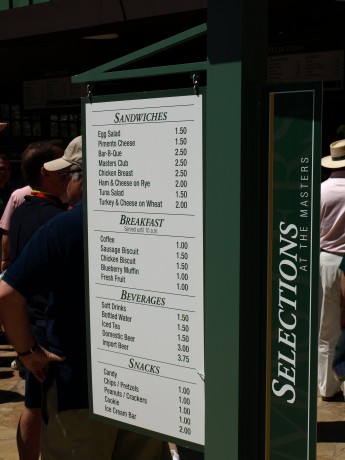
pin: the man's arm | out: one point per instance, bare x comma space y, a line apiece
15, 321
14, 317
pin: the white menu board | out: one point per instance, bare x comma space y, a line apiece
145, 259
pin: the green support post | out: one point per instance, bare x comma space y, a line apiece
234, 303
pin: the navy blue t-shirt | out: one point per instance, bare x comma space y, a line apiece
29, 217
26, 220
54, 260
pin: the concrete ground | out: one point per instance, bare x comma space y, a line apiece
330, 430
11, 403
331, 416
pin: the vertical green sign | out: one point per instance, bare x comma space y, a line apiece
293, 258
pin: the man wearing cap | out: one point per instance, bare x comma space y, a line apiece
54, 258
332, 248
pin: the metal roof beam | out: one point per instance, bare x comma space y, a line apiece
102, 72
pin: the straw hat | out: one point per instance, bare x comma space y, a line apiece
337, 157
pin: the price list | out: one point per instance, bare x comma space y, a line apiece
145, 263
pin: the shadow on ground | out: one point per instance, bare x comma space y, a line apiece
331, 432
6, 374
10, 396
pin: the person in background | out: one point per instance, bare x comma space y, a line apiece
332, 248
16, 199
6, 188
39, 206
54, 258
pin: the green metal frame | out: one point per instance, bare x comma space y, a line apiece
235, 79
102, 72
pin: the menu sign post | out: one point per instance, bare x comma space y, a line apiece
144, 170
